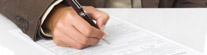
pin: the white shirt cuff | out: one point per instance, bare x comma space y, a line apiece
48, 33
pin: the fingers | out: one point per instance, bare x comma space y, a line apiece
75, 34
69, 41
79, 37
62, 40
92, 41
100, 17
70, 36
59, 42
85, 28
69, 29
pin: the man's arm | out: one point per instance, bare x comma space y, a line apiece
28, 14
25, 14
67, 27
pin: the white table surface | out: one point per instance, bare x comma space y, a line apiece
186, 26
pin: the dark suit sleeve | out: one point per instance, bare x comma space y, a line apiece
25, 14
82, 2
189, 3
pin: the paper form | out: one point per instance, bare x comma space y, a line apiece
205, 47
125, 39
5, 51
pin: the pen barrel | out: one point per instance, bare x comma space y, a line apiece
78, 8
89, 20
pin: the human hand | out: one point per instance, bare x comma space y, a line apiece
70, 30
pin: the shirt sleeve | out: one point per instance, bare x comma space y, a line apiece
45, 31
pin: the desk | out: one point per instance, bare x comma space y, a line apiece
186, 26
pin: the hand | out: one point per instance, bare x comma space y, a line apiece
70, 30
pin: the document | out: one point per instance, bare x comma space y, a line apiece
124, 38
5, 51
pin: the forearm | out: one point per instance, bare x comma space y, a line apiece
25, 14
29, 15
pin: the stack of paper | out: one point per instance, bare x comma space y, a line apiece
125, 39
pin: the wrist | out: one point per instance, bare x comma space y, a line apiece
52, 18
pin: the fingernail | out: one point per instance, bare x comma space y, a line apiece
104, 37
102, 28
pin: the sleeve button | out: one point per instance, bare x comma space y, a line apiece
23, 24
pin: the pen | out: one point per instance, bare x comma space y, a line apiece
78, 8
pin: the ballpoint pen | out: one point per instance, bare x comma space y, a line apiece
78, 8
